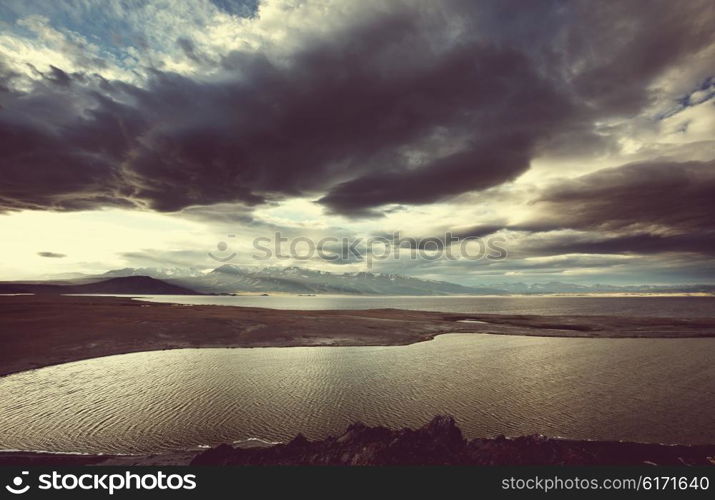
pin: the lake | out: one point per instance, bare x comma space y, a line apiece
649, 306
649, 390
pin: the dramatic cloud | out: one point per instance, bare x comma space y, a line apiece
444, 123
51, 255
396, 109
661, 197
576, 127
659, 207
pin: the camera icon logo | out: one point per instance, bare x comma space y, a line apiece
16, 487
223, 254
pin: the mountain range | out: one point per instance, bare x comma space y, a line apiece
230, 278
234, 279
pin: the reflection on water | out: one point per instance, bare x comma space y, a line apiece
653, 390
663, 307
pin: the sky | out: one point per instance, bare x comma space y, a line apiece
579, 134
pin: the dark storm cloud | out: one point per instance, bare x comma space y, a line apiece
52, 255
623, 244
641, 208
605, 52
645, 208
665, 197
391, 110
632, 42
52, 159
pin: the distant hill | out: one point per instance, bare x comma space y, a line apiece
140, 285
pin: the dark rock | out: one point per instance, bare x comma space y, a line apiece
443, 428
219, 455
299, 441
441, 442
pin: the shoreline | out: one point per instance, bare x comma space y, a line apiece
44, 330
439, 442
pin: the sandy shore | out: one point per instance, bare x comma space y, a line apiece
42, 330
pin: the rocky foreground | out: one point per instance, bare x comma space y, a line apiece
441, 443
438, 443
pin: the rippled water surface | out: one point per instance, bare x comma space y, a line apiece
663, 306
653, 390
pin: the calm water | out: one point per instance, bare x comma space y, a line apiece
652, 390
684, 307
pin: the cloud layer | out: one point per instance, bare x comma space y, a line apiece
589, 121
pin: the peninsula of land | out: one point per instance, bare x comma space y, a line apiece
48, 329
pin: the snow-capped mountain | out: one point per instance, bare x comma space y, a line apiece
234, 279
299, 280
230, 278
